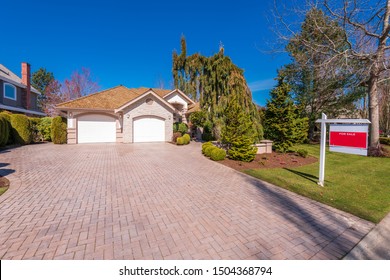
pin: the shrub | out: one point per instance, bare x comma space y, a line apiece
218, 154
175, 136
384, 140
180, 127
4, 130
208, 150
7, 118
205, 145
186, 138
303, 153
207, 136
21, 129
58, 130
44, 127
36, 134
180, 141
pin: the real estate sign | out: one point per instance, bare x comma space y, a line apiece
348, 138
345, 136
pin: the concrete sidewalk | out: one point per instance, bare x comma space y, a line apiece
375, 245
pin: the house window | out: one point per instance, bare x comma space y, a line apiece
9, 91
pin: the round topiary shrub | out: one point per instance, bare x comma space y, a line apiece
21, 129
58, 130
208, 150
218, 154
205, 145
186, 138
180, 141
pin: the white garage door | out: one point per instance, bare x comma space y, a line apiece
96, 128
149, 130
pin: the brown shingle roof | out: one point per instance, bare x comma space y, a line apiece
109, 99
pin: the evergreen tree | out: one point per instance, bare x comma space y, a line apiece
41, 80
282, 122
238, 134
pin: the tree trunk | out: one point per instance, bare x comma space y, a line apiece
374, 112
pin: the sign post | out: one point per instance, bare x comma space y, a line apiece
345, 136
322, 151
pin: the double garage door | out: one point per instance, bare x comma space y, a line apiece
96, 128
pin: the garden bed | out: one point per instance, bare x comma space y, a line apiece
274, 160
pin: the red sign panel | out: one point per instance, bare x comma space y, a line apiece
348, 139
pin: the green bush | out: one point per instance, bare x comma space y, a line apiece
303, 153
209, 150
186, 138
175, 136
4, 131
205, 145
384, 140
207, 136
21, 129
180, 141
58, 130
218, 154
7, 117
44, 127
36, 133
180, 127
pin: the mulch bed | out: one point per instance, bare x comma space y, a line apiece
274, 160
4, 183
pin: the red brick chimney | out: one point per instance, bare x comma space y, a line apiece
26, 80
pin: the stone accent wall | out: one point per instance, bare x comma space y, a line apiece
141, 108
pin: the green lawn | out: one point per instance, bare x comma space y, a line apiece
356, 184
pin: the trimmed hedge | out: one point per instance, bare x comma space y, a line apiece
384, 140
7, 118
21, 129
4, 130
58, 130
218, 154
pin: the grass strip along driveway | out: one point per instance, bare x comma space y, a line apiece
355, 184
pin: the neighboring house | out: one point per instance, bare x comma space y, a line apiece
16, 94
125, 115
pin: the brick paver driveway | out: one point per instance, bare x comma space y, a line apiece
156, 201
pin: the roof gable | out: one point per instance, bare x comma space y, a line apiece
182, 94
149, 92
10, 77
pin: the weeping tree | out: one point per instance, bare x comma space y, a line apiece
213, 81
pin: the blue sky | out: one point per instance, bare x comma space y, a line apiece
129, 43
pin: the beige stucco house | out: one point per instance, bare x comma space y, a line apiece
125, 115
